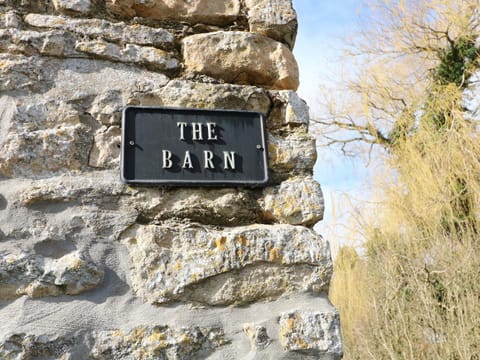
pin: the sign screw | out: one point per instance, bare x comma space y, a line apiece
131, 142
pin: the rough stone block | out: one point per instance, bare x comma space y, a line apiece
291, 155
181, 93
83, 7
36, 276
157, 342
139, 343
50, 43
241, 57
23, 346
311, 332
195, 11
52, 132
140, 55
274, 18
105, 152
296, 201
18, 73
95, 28
257, 334
44, 151
214, 206
288, 110
10, 19
199, 264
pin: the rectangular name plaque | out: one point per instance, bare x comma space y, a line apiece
192, 147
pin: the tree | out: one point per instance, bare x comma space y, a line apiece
411, 51
416, 71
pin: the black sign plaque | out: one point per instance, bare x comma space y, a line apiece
192, 147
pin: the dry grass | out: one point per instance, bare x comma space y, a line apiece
416, 292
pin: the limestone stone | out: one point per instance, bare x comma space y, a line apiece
18, 73
52, 132
257, 335
241, 57
224, 206
37, 276
57, 215
311, 332
118, 32
296, 201
274, 18
44, 151
10, 19
195, 11
182, 93
79, 6
195, 263
21, 346
157, 342
107, 107
143, 55
291, 155
66, 188
105, 152
74, 273
51, 43
35, 144
288, 110
74, 80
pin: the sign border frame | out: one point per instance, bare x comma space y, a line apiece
199, 183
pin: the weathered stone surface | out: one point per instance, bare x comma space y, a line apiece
79, 6
220, 206
291, 155
257, 334
36, 276
288, 110
28, 152
311, 332
107, 107
68, 224
103, 189
52, 133
182, 93
194, 11
34, 143
139, 343
10, 19
296, 201
95, 28
22, 346
51, 43
92, 189
241, 57
274, 18
237, 265
18, 73
143, 55
105, 152
158, 342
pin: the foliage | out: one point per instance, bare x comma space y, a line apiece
416, 289
409, 48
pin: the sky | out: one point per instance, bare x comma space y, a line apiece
323, 26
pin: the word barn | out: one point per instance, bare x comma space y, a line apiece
198, 132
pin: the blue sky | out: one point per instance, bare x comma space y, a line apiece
322, 27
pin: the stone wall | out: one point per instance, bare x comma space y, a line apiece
93, 269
